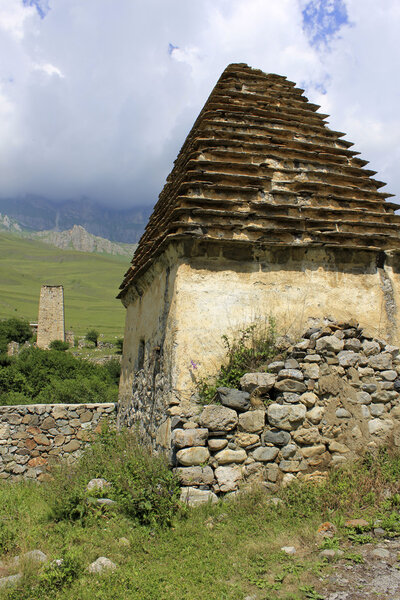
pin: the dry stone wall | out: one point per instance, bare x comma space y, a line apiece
333, 396
34, 437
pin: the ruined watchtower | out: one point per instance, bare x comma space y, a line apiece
267, 211
51, 315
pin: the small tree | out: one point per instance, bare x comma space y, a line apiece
92, 336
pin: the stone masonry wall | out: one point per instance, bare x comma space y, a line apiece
33, 437
330, 398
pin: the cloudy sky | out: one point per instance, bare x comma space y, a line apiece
97, 96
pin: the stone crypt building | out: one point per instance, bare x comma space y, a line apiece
267, 211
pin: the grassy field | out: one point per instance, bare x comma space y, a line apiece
221, 552
90, 284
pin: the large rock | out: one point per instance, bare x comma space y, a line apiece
307, 436
379, 427
195, 475
218, 418
252, 421
228, 478
194, 497
193, 456
331, 343
287, 417
101, 564
183, 438
315, 414
370, 348
290, 385
265, 454
348, 358
262, 382
235, 399
244, 439
381, 362
227, 456
291, 374
278, 438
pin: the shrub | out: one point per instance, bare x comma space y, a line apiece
120, 345
15, 330
141, 482
59, 345
248, 351
92, 336
56, 377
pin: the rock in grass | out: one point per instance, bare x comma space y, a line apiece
101, 564
194, 497
288, 550
10, 580
97, 484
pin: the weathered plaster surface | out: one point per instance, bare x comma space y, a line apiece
193, 295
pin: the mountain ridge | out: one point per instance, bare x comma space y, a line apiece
37, 213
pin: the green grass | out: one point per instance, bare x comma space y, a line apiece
90, 284
226, 551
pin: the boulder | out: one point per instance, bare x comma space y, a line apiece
194, 497
329, 343
265, 454
308, 399
235, 399
189, 437
228, 478
101, 564
381, 362
278, 438
218, 418
307, 436
370, 347
252, 420
195, 475
290, 385
315, 414
348, 358
216, 444
230, 456
193, 456
244, 439
291, 374
379, 427
262, 382
286, 417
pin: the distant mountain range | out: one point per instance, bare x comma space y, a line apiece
36, 213
76, 238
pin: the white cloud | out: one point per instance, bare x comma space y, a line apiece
98, 106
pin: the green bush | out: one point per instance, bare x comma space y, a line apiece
92, 336
141, 483
59, 345
249, 351
15, 330
58, 575
50, 376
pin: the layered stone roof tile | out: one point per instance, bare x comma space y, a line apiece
260, 165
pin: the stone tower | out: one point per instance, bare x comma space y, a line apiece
51, 315
267, 211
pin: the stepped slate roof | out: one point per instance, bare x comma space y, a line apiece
260, 165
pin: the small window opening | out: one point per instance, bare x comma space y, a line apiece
141, 355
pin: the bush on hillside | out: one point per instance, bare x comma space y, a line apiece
50, 376
92, 336
141, 483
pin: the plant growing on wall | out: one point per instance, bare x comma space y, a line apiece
249, 350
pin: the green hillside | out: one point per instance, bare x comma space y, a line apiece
90, 284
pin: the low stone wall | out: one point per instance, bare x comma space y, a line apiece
331, 397
35, 436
